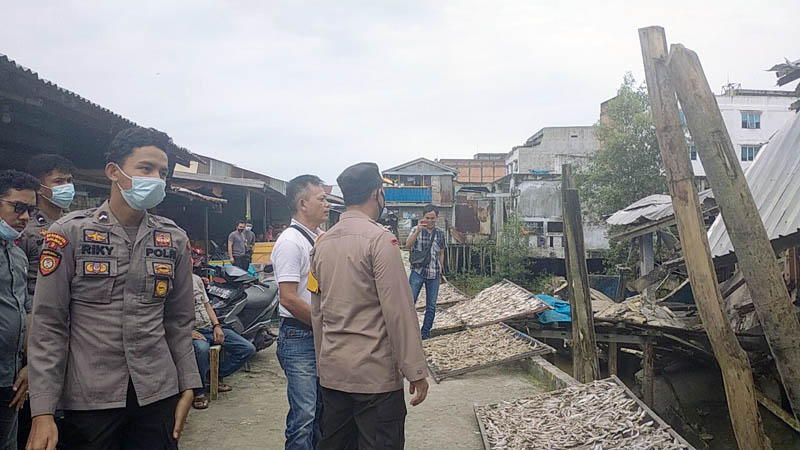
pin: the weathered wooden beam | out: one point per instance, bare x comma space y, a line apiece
586, 366
776, 409
736, 373
613, 354
648, 367
632, 339
749, 237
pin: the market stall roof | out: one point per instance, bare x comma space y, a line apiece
196, 195
773, 182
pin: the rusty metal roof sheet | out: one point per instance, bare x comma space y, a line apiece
773, 180
649, 209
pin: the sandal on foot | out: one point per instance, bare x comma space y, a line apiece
200, 401
224, 388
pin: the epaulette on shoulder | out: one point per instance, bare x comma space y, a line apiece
164, 221
80, 214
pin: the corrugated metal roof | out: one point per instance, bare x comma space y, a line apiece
773, 180
649, 209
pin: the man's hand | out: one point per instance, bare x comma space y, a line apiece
44, 433
420, 387
182, 412
21, 389
219, 335
197, 336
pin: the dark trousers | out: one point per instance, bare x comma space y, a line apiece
8, 420
133, 427
242, 262
24, 425
362, 421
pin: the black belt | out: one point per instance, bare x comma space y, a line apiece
295, 323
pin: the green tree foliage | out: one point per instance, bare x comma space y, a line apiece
512, 250
628, 166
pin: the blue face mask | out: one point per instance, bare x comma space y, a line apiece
7, 233
62, 195
145, 192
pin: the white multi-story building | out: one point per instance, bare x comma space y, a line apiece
752, 117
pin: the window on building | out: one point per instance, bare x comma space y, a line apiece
751, 119
536, 228
693, 152
555, 227
749, 152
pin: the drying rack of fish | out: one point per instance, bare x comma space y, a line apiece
478, 348
603, 414
443, 322
497, 303
448, 295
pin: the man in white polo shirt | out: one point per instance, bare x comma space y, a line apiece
292, 261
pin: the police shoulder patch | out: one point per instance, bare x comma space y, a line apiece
55, 241
394, 241
49, 261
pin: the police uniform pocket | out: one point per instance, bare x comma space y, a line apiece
94, 280
159, 280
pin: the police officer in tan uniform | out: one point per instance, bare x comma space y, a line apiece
111, 338
55, 194
366, 332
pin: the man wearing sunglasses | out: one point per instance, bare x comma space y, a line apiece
17, 204
111, 334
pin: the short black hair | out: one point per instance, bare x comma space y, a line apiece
240, 221
14, 179
248, 221
42, 165
131, 138
296, 187
430, 207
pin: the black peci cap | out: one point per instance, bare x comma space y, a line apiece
359, 179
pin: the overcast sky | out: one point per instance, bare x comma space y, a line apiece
285, 88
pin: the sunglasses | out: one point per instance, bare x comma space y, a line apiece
21, 207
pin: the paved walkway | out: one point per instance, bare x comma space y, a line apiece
252, 416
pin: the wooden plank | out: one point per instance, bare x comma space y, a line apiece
585, 363
613, 354
213, 376
648, 379
735, 367
776, 409
484, 434
646, 256
750, 241
600, 336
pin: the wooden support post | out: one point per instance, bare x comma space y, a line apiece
733, 362
205, 232
586, 366
736, 205
613, 353
213, 376
648, 366
776, 409
623, 273
247, 203
646, 254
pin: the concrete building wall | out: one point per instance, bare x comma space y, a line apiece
773, 107
551, 147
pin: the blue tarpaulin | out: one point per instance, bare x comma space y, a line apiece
559, 313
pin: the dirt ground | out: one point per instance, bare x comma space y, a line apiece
252, 416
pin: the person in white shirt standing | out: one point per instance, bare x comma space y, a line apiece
291, 259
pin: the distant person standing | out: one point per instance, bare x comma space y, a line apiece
291, 258
17, 205
426, 243
237, 246
366, 333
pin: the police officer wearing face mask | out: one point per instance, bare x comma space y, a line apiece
111, 339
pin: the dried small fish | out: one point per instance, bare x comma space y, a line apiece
448, 295
598, 415
442, 321
502, 301
478, 347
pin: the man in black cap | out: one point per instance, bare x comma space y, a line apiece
366, 332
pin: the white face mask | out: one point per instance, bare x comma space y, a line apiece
145, 192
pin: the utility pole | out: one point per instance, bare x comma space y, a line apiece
750, 241
585, 364
736, 373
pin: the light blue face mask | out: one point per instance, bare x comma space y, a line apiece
7, 233
62, 195
145, 192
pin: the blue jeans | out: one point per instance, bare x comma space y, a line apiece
238, 351
298, 361
431, 293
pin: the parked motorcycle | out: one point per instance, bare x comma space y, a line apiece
241, 302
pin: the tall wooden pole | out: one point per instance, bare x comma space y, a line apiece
736, 205
586, 366
736, 373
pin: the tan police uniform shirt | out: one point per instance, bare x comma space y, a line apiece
31, 242
366, 332
107, 310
